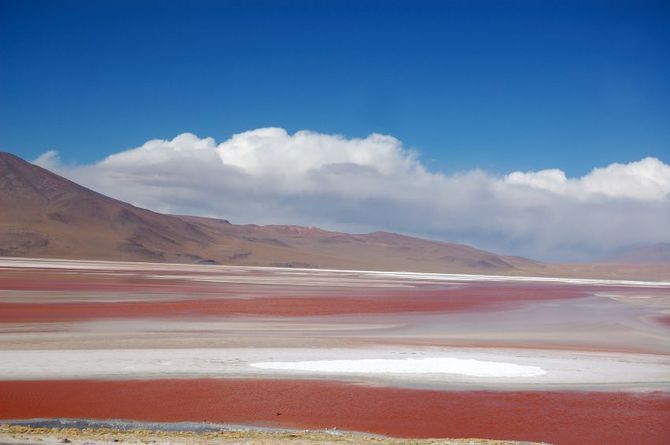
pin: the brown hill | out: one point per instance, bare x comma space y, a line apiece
45, 215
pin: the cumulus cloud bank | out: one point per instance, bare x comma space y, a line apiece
375, 183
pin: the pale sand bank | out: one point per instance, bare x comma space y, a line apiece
23, 435
332, 277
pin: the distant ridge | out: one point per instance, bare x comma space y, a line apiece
46, 215
653, 254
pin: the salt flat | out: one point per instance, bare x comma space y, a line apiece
442, 368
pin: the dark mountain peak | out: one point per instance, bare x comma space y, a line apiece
72, 221
8, 157
4, 155
19, 179
11, 165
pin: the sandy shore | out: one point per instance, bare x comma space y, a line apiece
22, 435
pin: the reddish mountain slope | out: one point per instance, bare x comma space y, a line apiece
45, 215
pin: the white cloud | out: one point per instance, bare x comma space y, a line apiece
360, 184
48, 160
647, 179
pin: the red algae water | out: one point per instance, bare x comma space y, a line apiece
222, 315
548, 416
478, 299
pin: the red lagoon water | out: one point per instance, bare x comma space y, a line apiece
345, 302
555, 417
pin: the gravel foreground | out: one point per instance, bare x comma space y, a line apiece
19, 434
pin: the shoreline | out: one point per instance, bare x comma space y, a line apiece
106, 433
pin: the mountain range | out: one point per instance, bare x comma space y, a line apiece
45, 215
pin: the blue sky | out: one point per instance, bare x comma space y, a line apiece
500, 85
